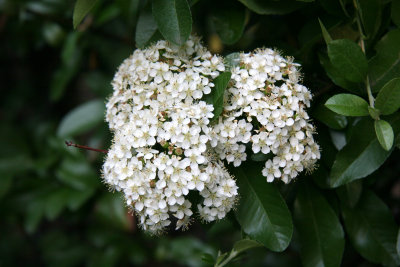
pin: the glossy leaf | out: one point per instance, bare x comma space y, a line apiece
82, 8
271, 7
82, 118
350, 193
320, 232
229, 22
146, 28
217, 94
337, 78
174, 19
348, 59
372, 229
385, 65
348, 105
384, 133
388, 99
262, 212
329, 118
361, 156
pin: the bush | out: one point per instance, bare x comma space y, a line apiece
58, 60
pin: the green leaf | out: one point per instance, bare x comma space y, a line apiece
173, 19
82, 118
361, 156
55, 203
320, 232
271, 7
78, 174
350, 193
385, 65
388, 99
347, 57
245, 244
396, 12
232, 60
5, 184
262, 212
385, 134
229, 22
82, 8
325, 33
146, 28
70, 64
329, 118
348, 105
337, 78
370, 13
216, 97
372, 229
374, 113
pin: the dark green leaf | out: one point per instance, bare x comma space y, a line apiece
112, 211
262, 212
271, 7
5, 184
146, 28
216, 97
70, 60
55, 203
350, 193
173, 19
82, 8
82, 118
78, 174
361, 156
329, 118
384, 133
337, 77
348, 105
385, 65
370, 13
348, 59
325, 33
396, 12
388, 99
372, 229
320, 232
229, 22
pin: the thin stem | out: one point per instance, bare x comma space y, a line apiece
227, 260
70, 143
362, 44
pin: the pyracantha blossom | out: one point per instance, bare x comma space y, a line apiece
265, 110
162, 130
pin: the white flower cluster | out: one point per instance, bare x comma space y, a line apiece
265, 108
161, 135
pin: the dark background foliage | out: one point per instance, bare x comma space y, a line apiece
54, 79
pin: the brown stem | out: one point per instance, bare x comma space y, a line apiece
70, 143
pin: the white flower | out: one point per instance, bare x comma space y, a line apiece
265, 106
162, 130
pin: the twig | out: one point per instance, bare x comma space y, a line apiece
70, 143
